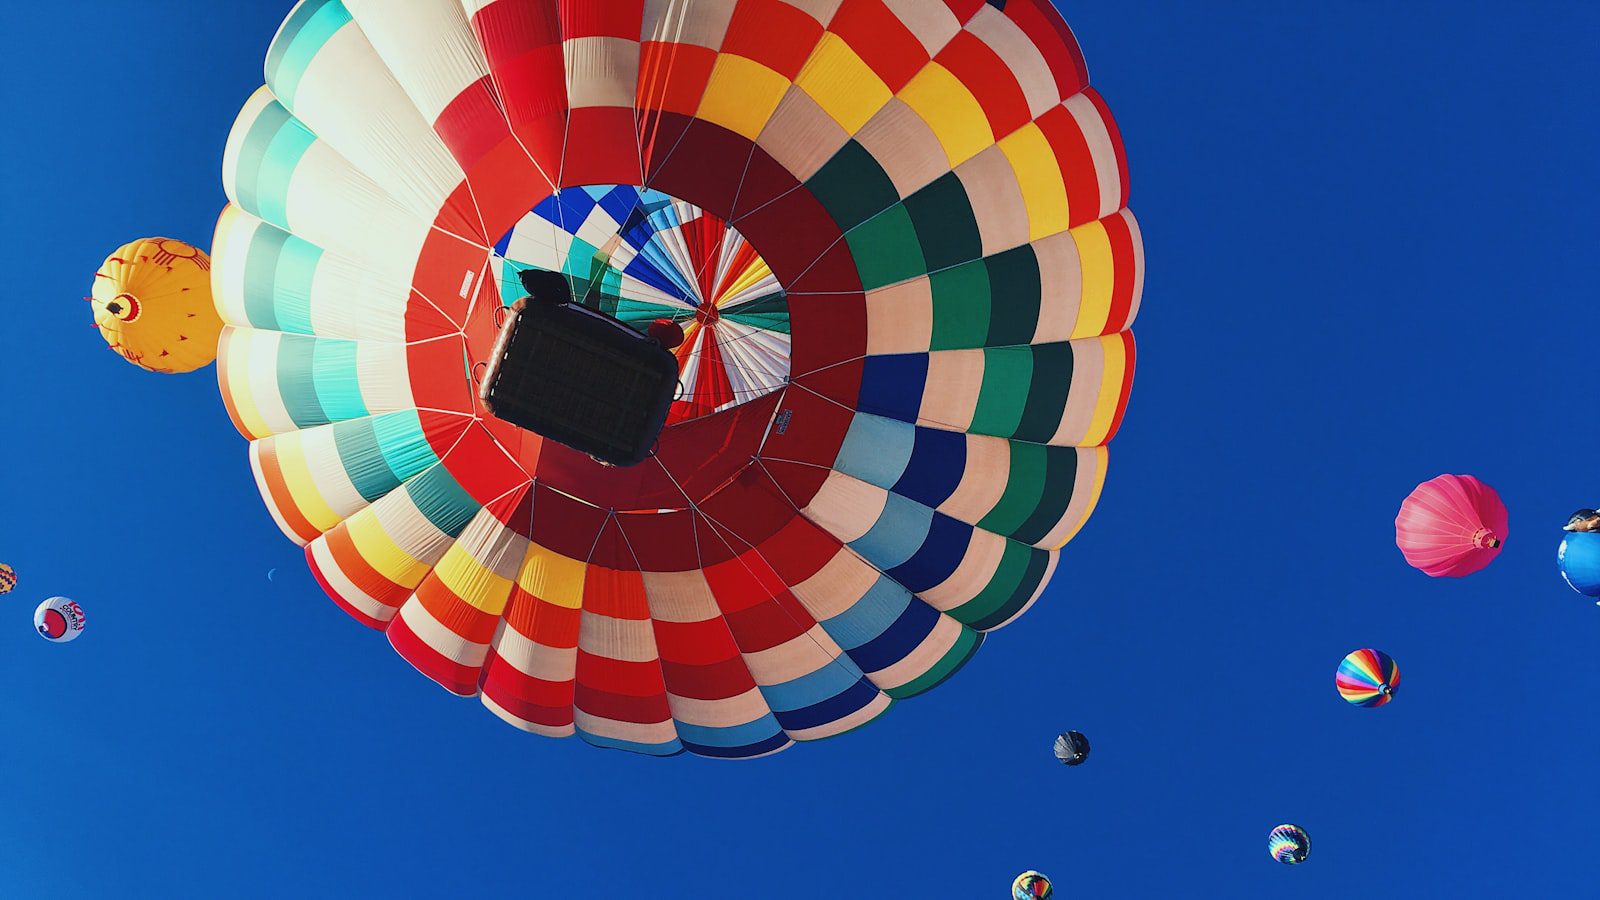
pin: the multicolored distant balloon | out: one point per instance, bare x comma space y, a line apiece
1367, 677
895, 237
8, 579
59, 620
1072, 748
1579, 559
152, 304
1451, 526
1289, 844
1031, 886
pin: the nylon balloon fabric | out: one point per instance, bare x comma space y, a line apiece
1367, 677
895, 235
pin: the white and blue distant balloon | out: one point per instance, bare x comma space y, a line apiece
59, 620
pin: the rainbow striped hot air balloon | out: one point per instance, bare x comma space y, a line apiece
1032, 885
895, 236
1289, 844
1367, 677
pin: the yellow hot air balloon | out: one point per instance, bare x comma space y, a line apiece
152, 304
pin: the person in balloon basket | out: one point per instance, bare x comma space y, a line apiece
1585, 520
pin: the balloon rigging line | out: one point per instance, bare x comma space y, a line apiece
846, 548
719, 527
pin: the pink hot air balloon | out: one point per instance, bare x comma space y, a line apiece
1451, 526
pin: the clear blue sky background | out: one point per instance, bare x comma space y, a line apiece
1370, 233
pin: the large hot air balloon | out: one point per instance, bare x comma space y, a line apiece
1451, 526
8, 579
1031, 886
152, 304
895, 235
59, 620
1367, 677
1289, 844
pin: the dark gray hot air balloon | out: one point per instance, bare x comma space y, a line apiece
1072, 748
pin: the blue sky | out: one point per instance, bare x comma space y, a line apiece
1369, 238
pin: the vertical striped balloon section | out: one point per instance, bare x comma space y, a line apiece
895, 233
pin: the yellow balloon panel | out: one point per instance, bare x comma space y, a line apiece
152, 304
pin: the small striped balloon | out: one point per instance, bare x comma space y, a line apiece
8, 578
1031, 885
1367, 677
1289, 844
